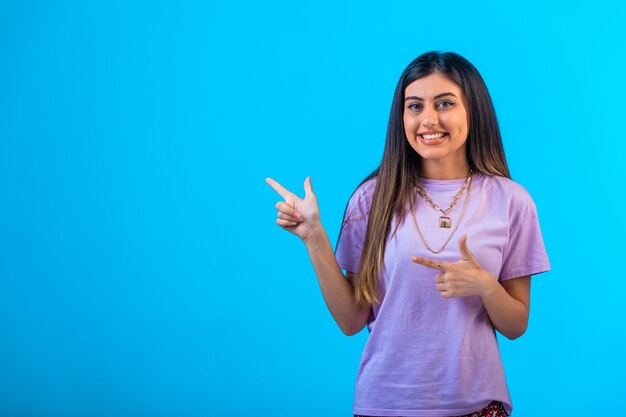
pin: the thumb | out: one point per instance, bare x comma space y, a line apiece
308, 188
466, 254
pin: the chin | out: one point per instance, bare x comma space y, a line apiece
431, 154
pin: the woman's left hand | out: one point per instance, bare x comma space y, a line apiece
462, 278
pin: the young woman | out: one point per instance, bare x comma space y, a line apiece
438, 245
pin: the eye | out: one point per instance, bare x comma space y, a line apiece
414, 106
444, 104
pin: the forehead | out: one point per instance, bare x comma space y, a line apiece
432, 85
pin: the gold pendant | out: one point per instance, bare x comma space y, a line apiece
445, 222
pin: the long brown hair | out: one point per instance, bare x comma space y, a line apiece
400, 165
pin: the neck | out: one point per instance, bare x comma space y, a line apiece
440, 170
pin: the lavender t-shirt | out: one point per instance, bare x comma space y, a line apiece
427, 355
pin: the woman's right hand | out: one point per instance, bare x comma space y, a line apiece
297, 215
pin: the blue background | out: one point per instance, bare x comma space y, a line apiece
141, 272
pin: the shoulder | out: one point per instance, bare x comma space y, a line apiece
365, 190
505, 189
361, 200
511, 199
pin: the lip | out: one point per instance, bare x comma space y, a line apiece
435, 141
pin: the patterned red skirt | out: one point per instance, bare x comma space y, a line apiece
494, 409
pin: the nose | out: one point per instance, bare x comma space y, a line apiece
430, 117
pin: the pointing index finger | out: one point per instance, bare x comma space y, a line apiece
284, 193
430, 263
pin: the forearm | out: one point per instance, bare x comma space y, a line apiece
508, 314
336, 289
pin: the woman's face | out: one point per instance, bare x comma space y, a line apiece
436, 121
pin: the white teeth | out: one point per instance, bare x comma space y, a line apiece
437, 136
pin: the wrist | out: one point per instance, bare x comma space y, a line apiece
490, 284
317, 235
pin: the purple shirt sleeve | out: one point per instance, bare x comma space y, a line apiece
353, 228
525, 252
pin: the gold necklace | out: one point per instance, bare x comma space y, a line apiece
467, 197
445, 221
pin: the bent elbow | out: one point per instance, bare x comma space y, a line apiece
517, 333
351, 330
513, 336
347, 332
352, 324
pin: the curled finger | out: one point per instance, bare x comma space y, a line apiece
285, 223
288, 209
287, 217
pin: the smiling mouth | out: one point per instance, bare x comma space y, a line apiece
432, 139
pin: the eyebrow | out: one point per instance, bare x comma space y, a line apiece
436, 97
